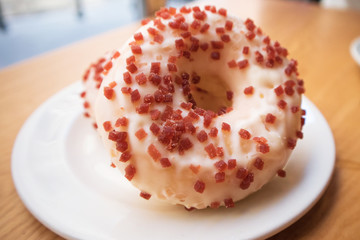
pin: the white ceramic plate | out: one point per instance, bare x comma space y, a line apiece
64, 178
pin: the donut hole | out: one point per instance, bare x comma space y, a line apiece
211, 93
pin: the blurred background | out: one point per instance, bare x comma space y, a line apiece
32, 27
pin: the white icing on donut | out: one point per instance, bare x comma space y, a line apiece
184, 182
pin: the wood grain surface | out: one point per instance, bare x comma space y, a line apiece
318, 38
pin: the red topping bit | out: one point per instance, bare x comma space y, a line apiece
185, 144
299, 134
108, 66
194, 169
130, 59
250, 24
138, 36
107, 126
186, 106
241, 173
82, 94
300, 90
131, 68
215, 55
245, 50
113, 165
291, 143
204, 28
185, 10
125, 156
86, 114
263, 148
215, 205
249, 90
185, 34
259, 163
108, 92
243, 64
112, 84
196, 9
295, 109
195, 24
184, 26
291, 68
232, 64
204, 46
116, 55
219, 177
135, 95
153, 152
289, 91
220, 151
279, 90
117, 136
95, 125
159, 24
246, 182
145, 195
148, 98
244, 134
231, 164
172, 10
152, 31
270, 118
282, 104
228, 25
121, 122
136, 49
193, 115
225, 127
140, 134
158, 38
266, 40
155, 79
200, 111
222, 12
140, 78
174, 25
220, 30
229, 203
250, 35
199, 15
259, 57
155, 114
302, 122
145, 21
199, 186
143, 108
217, 44
225, 38
126, 90
213, 132
221, 165
172, 67
179, 43
211, 150
130, 171
127, 78
186, 54
167, 113
202, 136
165, 162
190, 127
281, 173
86, 104
155, 67
155, 129
121, 146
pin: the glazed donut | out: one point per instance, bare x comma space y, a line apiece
200, 108
91, 82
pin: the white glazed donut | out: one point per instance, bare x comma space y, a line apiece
200, 109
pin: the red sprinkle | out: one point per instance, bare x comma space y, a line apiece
204, 28
215, 205
221, 165
165, 162
127, 78
125, 156
138, 36
213, 132
225, 127
108, 92
229, 203
279, 90
195, 24
140, 78
158, 38
249, 90
215, 55
270, 118
107, 126
130, 171
241, 173
282, 104
135, 95
155, 129
155, 114
250, 35
172, 67
231, 164
155, 67
136, 49
179, 43
232, 64
152, 31
281, 173
108, 66
219, 177
140, 134
211, 150
199, 15
143, 108
244, 134
295, 109
204, 46
243, 64
228, 25
217, 44
259, 163
121, 122
222, 12
131, 68
202, 136
245, 50
153, 152
220, 30
130, 59
145, 21
225, 38
291, 143
117, 136
299, 134
199, 186
145, 195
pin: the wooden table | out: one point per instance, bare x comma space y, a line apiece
318, 38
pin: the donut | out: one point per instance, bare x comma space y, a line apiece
91, 82
200, 108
